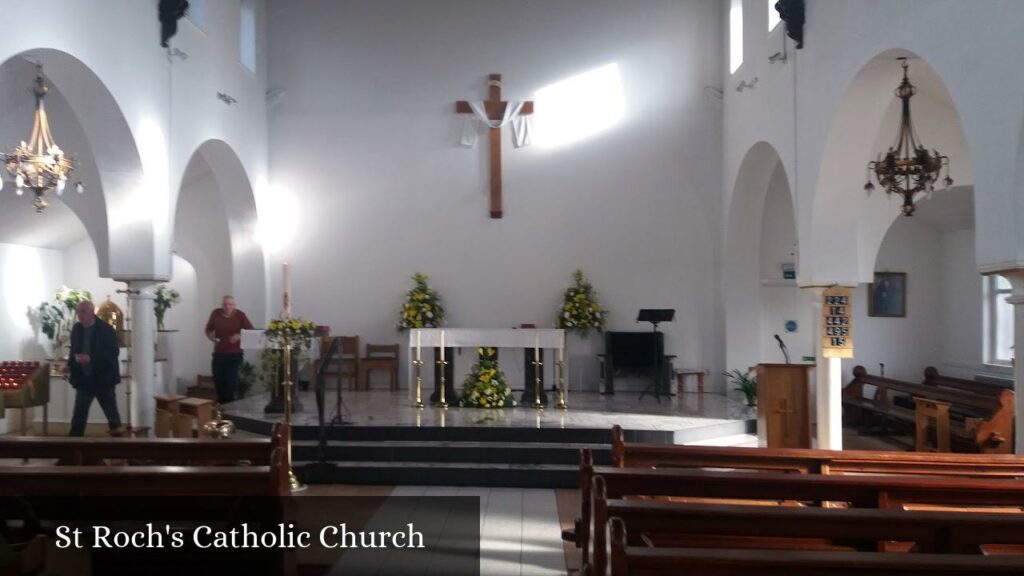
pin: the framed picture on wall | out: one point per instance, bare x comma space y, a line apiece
887, 295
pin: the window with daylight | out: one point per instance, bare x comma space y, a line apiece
773, 16
247, 35
196, 13
735, 35
998, 321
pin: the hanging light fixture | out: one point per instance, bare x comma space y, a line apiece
908, 168
39, 164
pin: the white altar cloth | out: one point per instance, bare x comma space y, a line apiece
523, 338
491, 337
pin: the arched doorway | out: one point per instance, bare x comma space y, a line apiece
215, 252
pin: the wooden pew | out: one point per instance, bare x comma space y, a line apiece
856, 491
737, 526
269, 480
810, 461
629, 560
982, 414
184, 451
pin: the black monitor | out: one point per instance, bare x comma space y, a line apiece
655, 315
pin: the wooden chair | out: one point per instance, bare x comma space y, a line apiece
380, 357
348, 365
203, 388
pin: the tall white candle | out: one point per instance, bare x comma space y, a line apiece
418, 334
442, 345
536, 345
561, 349
287, 273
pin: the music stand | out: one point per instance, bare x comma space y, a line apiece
655, 316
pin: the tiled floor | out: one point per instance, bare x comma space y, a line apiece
586, 410
519, 528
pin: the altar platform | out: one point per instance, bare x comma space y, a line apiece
383, 439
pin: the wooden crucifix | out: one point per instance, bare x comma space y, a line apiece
495, 108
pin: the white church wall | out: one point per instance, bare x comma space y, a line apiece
962, 308
28, 277
369, 154
793, 105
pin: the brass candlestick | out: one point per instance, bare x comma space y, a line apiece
561, 386
537, 404
442, 402
293, 481
419, 381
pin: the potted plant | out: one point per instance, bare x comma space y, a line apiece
422, 307
745, 383
165, 299
485, 386
56, 320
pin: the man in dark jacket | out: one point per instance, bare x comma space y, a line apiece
94, 368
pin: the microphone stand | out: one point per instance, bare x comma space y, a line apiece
782, 346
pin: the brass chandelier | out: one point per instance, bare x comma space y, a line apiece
908, 168
39, 164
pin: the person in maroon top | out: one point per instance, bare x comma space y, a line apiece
224, 329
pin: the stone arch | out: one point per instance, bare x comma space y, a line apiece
742, 276
116, 180
848, 225
246, 277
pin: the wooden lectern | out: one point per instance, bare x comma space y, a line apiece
783, 410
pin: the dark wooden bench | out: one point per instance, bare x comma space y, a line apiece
629, 560
981, 414
810, 461
183, 451
689, 525
775, 488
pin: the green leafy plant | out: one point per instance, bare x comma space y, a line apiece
486, 386
56, 320
745, 383
246, 378
422, 307
270, 370
579, 310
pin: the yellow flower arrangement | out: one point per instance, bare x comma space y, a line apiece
422, 307
299, 331
580, 310
485, 386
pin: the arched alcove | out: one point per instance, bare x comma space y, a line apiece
848, 225
215, 249
747, 277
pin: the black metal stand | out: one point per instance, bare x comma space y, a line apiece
655, 317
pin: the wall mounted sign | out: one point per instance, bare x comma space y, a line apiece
837, 322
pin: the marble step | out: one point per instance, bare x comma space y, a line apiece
439, 474
563, 453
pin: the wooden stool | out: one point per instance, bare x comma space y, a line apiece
926, 411
167, 409
191, 411
681, 375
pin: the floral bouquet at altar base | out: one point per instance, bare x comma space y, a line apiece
165, 299
422, 307
580, 310
485, 386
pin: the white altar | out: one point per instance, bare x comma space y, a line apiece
538, 338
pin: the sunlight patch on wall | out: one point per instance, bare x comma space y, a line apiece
579, 107
277, 216
23, 282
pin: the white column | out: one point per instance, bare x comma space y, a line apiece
828, 384
143, 353
1016, 278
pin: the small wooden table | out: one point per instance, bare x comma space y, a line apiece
681, 375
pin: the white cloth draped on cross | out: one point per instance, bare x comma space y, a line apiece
520, 124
